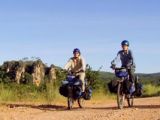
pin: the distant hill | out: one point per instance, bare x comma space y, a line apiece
156, 74
153, 78
150, 74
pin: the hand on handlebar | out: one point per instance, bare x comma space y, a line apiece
113, 67
128, 66
80, 71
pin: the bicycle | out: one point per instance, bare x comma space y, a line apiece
123, 90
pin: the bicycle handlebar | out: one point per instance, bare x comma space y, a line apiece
120, 68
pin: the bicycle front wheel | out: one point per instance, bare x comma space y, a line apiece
81, 102
130, 101
120, 97
70, 103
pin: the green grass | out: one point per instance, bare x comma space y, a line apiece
49, 93
102, 95
151, 90
29, 93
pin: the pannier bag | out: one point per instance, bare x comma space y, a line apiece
88, 93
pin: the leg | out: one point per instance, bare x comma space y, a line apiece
131, 75
82, 78
132, 80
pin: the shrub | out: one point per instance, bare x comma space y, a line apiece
151, 90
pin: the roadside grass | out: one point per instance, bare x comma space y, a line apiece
102, 95
49, 94
151, 90
45, 94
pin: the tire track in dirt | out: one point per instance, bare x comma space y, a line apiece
144, 109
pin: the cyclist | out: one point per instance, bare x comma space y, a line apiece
77, 66
127, 60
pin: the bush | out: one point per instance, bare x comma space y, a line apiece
27, 79
151, 90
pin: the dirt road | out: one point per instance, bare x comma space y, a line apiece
144, 109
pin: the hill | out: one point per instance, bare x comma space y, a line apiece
153, 78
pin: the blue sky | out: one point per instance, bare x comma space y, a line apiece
50, 29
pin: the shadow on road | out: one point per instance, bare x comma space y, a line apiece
135, 106
103, 108
64, 108
147, 106
40, 107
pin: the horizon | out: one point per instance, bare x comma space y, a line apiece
37, 58
50, 30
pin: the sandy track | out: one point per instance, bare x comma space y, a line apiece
144, 109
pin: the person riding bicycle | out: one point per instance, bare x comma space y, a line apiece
127, 60
77, 66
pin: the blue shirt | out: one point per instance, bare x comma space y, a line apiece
126, 58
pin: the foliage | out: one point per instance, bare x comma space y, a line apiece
151, 90
48, 91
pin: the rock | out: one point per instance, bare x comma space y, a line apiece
38, 72
21, 71
52, 73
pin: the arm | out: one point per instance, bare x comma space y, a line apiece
83, 65
68, 65
131, 62
116, 60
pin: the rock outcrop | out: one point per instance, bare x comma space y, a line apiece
38, 72
16, 71
52, 73
19, 72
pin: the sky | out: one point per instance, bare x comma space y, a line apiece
51, 29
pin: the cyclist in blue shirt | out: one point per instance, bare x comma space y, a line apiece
127, 60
